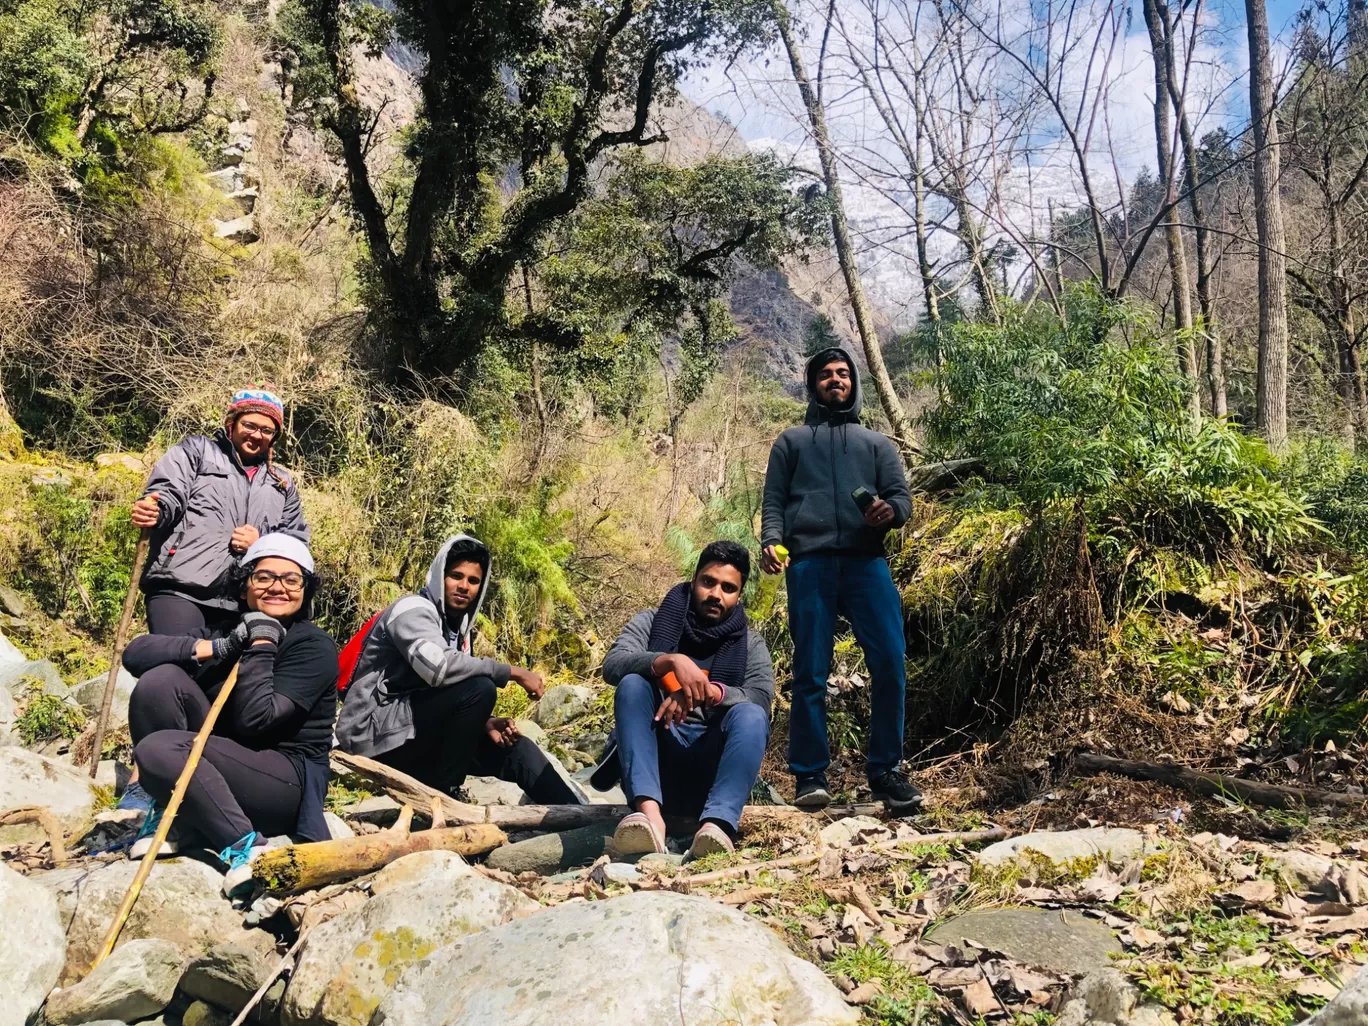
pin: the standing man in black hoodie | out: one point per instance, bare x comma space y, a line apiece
835, 565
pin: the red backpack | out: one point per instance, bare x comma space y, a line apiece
351, 654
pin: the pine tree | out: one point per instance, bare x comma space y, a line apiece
820, 333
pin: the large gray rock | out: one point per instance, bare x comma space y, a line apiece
137, 980
181, 902
27, 778
10, 654
32, 946
19, 678
1349, 1007
226, 976
648, 957
492, 791
432, 867
1064, 941
1116, 844
1304, 871
552, 853
349, 964
89, 695
561, 704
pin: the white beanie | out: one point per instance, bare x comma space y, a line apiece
286, 546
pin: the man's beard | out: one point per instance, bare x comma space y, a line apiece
709, 613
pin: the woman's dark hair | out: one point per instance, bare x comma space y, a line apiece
312, 582
728, 553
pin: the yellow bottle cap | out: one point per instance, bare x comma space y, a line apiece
781, 553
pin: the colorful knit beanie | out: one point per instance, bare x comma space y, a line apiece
257, 400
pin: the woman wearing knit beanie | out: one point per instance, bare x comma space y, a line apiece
207, 500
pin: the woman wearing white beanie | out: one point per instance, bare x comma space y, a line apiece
265, 767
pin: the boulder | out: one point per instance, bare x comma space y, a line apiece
1349, 1008
561, 704
1116, 844
492, 791
349, 964
181, 902
18, 678
553, 853
380, 809
89, 695
242, 230
137, 980
27, 778
337, 829
9, 652
32, 946
201, 1014
14, 604
1064, 942
1107, 997
647, 957
433, 867
226, 976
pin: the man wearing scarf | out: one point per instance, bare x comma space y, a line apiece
694, 688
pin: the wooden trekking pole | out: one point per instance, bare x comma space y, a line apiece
120, 640
164, 827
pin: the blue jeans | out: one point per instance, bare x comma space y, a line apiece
702, 770
861, 589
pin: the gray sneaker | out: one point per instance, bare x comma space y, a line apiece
812, 792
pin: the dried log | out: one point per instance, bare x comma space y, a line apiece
302, 866
1272, 795
43, 816
404, 788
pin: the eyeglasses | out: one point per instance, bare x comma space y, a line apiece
264, 579
254, 429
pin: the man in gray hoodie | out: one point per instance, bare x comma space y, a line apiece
420, 700
833, 489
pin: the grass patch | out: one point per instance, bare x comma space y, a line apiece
346, 790
46, 718
904, 996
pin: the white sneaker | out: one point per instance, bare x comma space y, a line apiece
138, 849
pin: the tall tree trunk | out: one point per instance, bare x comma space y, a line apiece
845, 251
1271, 407
1341, 297
1155, 21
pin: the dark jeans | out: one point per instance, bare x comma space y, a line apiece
861, 589
234, 790
171, 614
449, 743
703, 770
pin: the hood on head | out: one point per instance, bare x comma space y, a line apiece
816, 412
436, 583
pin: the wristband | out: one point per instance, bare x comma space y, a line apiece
670, 682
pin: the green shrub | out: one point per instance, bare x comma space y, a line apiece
46, 718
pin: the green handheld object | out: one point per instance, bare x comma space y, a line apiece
863, 497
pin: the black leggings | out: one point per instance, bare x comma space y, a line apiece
172, 614
235, 789
449, 743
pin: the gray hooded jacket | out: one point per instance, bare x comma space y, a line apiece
814, 468
205, 494
411, 646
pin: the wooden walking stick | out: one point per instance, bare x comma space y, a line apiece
164, 827
120, 640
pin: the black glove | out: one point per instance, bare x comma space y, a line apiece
263, 627
231, 646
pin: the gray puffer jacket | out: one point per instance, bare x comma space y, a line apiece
410, 647
814, 468
204, 494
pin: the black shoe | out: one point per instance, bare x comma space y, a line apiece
812, 792
895, 791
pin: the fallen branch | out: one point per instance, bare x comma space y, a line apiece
855, 894
411, 791
948, 837
1217, 784
303, 866
43, 816
684, 882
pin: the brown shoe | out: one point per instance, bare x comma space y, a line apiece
709, 840
635, 835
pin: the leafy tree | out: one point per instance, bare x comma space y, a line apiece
820, 333
521, 101
92, 83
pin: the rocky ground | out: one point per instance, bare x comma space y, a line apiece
1107, 902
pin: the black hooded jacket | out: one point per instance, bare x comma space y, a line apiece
814, 468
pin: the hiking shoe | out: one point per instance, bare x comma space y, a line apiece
709, 840
895, 791
146, 834
134, 797
812, 792
239, 856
